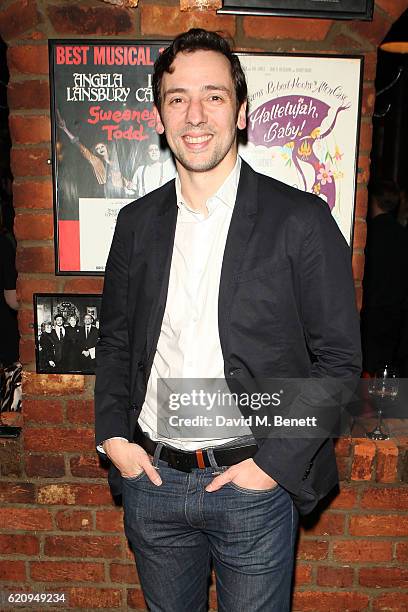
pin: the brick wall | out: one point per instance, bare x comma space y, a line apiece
59, 530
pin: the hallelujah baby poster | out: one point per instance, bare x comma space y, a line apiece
303, 120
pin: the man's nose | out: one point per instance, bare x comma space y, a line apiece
196, 113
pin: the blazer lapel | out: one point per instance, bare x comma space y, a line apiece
162, 250
242, 223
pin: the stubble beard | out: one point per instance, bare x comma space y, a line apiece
192, 162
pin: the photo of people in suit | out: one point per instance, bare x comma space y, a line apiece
66, 332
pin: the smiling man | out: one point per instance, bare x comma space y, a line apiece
220, 274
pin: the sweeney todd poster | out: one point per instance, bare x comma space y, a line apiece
106, 152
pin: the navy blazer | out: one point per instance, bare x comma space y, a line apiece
286, 310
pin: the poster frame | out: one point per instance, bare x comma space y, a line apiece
76, 299
313, 9
52, 43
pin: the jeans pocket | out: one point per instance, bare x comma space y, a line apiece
253, 491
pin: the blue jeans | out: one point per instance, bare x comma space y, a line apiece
177, 529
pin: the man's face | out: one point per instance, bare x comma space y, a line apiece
48, 328
154, 152
199, 111
72, 321
59, 321
87, 320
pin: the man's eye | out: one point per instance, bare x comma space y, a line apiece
215, 98
176, 100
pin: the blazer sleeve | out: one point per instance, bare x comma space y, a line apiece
112, 350
331, 328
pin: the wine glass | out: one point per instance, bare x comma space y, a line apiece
383, 387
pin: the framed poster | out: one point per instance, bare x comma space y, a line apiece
325, 9
66, 328
303, 125
106, 152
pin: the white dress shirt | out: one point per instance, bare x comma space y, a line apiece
189, 344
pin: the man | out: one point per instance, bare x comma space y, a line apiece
155, 173
88, 337
222, 273
385, 279
58, 339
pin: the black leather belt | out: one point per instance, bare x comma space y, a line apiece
185, 461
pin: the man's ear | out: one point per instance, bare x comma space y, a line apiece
159, 127
241, 120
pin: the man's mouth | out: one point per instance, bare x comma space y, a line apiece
197, 139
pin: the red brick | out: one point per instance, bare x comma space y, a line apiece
19, 544
343, 447
74, 520
368, 99
329, 523
358, 266
386, 498
10, 458
402, 552
110, 520
387, 461
384, 577
31, 129
17, 18
344, 468
12, 570
43, 411
93, 598
135, 599
372, 31
16, 492
27, 351
70, 494
379, 525
278, 28
28, 59
303, 574
34, 519
25, 320
359, 297
344, 42
360, 234
45, 466
80, 411
360, 551
364, 453
336, 601
26, 94
394, 8
58, 439
52, 384
168, 21
312, 550
84, 20
87, 466
339, 577
83, 546
35, 259
363, 169
26, 287
391, 602
33, 227
31, 161
370, 65
83, 285
124, 572
32, 194
361, 202
346, 498
52, 571
366, 134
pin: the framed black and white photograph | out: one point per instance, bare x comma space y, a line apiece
323, 9
66, 328
105, 149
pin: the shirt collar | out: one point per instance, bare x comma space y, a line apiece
227, 192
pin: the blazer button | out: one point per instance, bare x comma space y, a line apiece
234, 371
